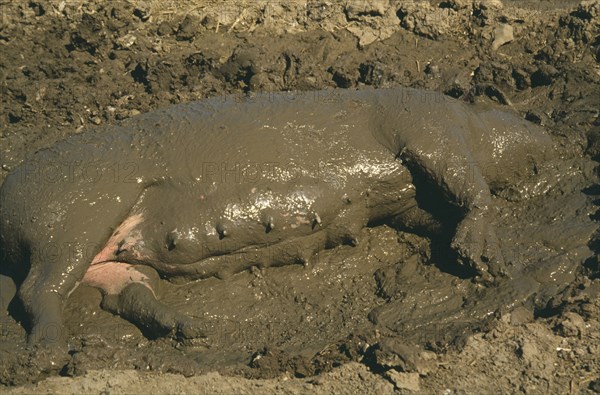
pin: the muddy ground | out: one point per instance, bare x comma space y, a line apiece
384, 317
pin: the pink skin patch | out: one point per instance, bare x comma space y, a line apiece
122, 233
110, 276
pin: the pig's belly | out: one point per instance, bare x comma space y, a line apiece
191, 230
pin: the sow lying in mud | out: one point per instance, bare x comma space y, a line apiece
214, 187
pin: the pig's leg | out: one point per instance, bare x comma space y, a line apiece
442, 156
417, 220
128, 291
43, 295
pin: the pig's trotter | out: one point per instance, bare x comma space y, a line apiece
477, 245
46, 358
137, 303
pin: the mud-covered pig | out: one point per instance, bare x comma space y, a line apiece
203, 188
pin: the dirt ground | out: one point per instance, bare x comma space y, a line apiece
383, 317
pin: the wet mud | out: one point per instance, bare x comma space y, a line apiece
396, 302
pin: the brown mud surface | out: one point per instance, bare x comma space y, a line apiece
385, 316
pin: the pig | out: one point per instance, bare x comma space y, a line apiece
204, 188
